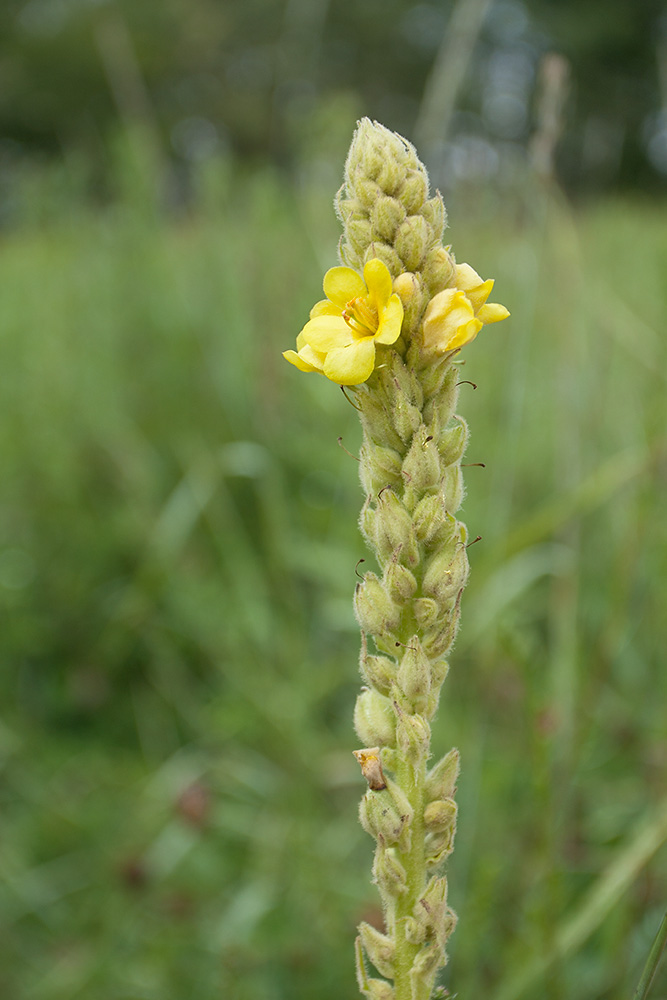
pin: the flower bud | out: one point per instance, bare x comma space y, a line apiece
399, 582
392, 175
374, 719
437, 641
441, 779
426, 611
412, 241
414, 673
406, 418
452, 486
389, 874
435, 214
427, 962
379, 989
431, 910
407, 287
378, 671
376, 612
440, 815
433, 524
359, 235
414, 190
385, 253
421, 466
394, 531
379, 467
413, 735
387, 816
386, 216
367, 191
446, 575
452, 442
380, 949
439, 846
439, 270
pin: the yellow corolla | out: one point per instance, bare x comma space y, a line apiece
358, 313
455, 316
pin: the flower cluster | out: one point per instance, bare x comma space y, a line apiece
340, 338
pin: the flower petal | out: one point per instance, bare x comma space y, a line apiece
324, 308
378, 279
469, 281
353, 364
325, 333
465, 334
342, 284
493, 312
391, 321
466, 277
298, 362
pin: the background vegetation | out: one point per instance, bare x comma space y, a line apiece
178, 537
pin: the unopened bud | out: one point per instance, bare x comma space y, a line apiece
399, 581
374, 719
414, 191
435, 214
378, 671
452, 442
439, 270
386, 216
421, 466
386, 816
379, 989
440, 815
380, 949
446, 575
426, 611
389, 874
414, 673
437, 641
394, 530
452, 486
441, 779
379, 467
432, 523
375, 611
412, 241
359, 235
407, 287
427, 962
385, 253
413, 735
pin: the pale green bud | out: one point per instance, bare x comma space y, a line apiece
439, 270
378, 989
389, 874
399, 582
367, 192
374, 719
441, 779
438, 641
433, 524
431, 911
392, 175
453, 441
379, 948
432, 378
378, 671
413, 735
412, 241
426, 611
380, 818
421, 467
359, 235
386, 216
435, 214
406, 418
439, 846
440, 670
410, 289
445, 575
442, 403
440, 815
452, 486
414, 673
414, 190
379, 467
394, 530
427, 962
385, 253
375, 611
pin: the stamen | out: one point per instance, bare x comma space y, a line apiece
360, 317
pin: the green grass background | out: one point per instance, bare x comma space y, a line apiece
178, 543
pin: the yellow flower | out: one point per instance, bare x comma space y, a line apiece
340, 337
455, 316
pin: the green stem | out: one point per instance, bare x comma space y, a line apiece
412, 782
651, 966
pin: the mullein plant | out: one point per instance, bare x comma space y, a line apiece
391, 327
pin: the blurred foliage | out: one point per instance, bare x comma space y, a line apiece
177, 549
251, 77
